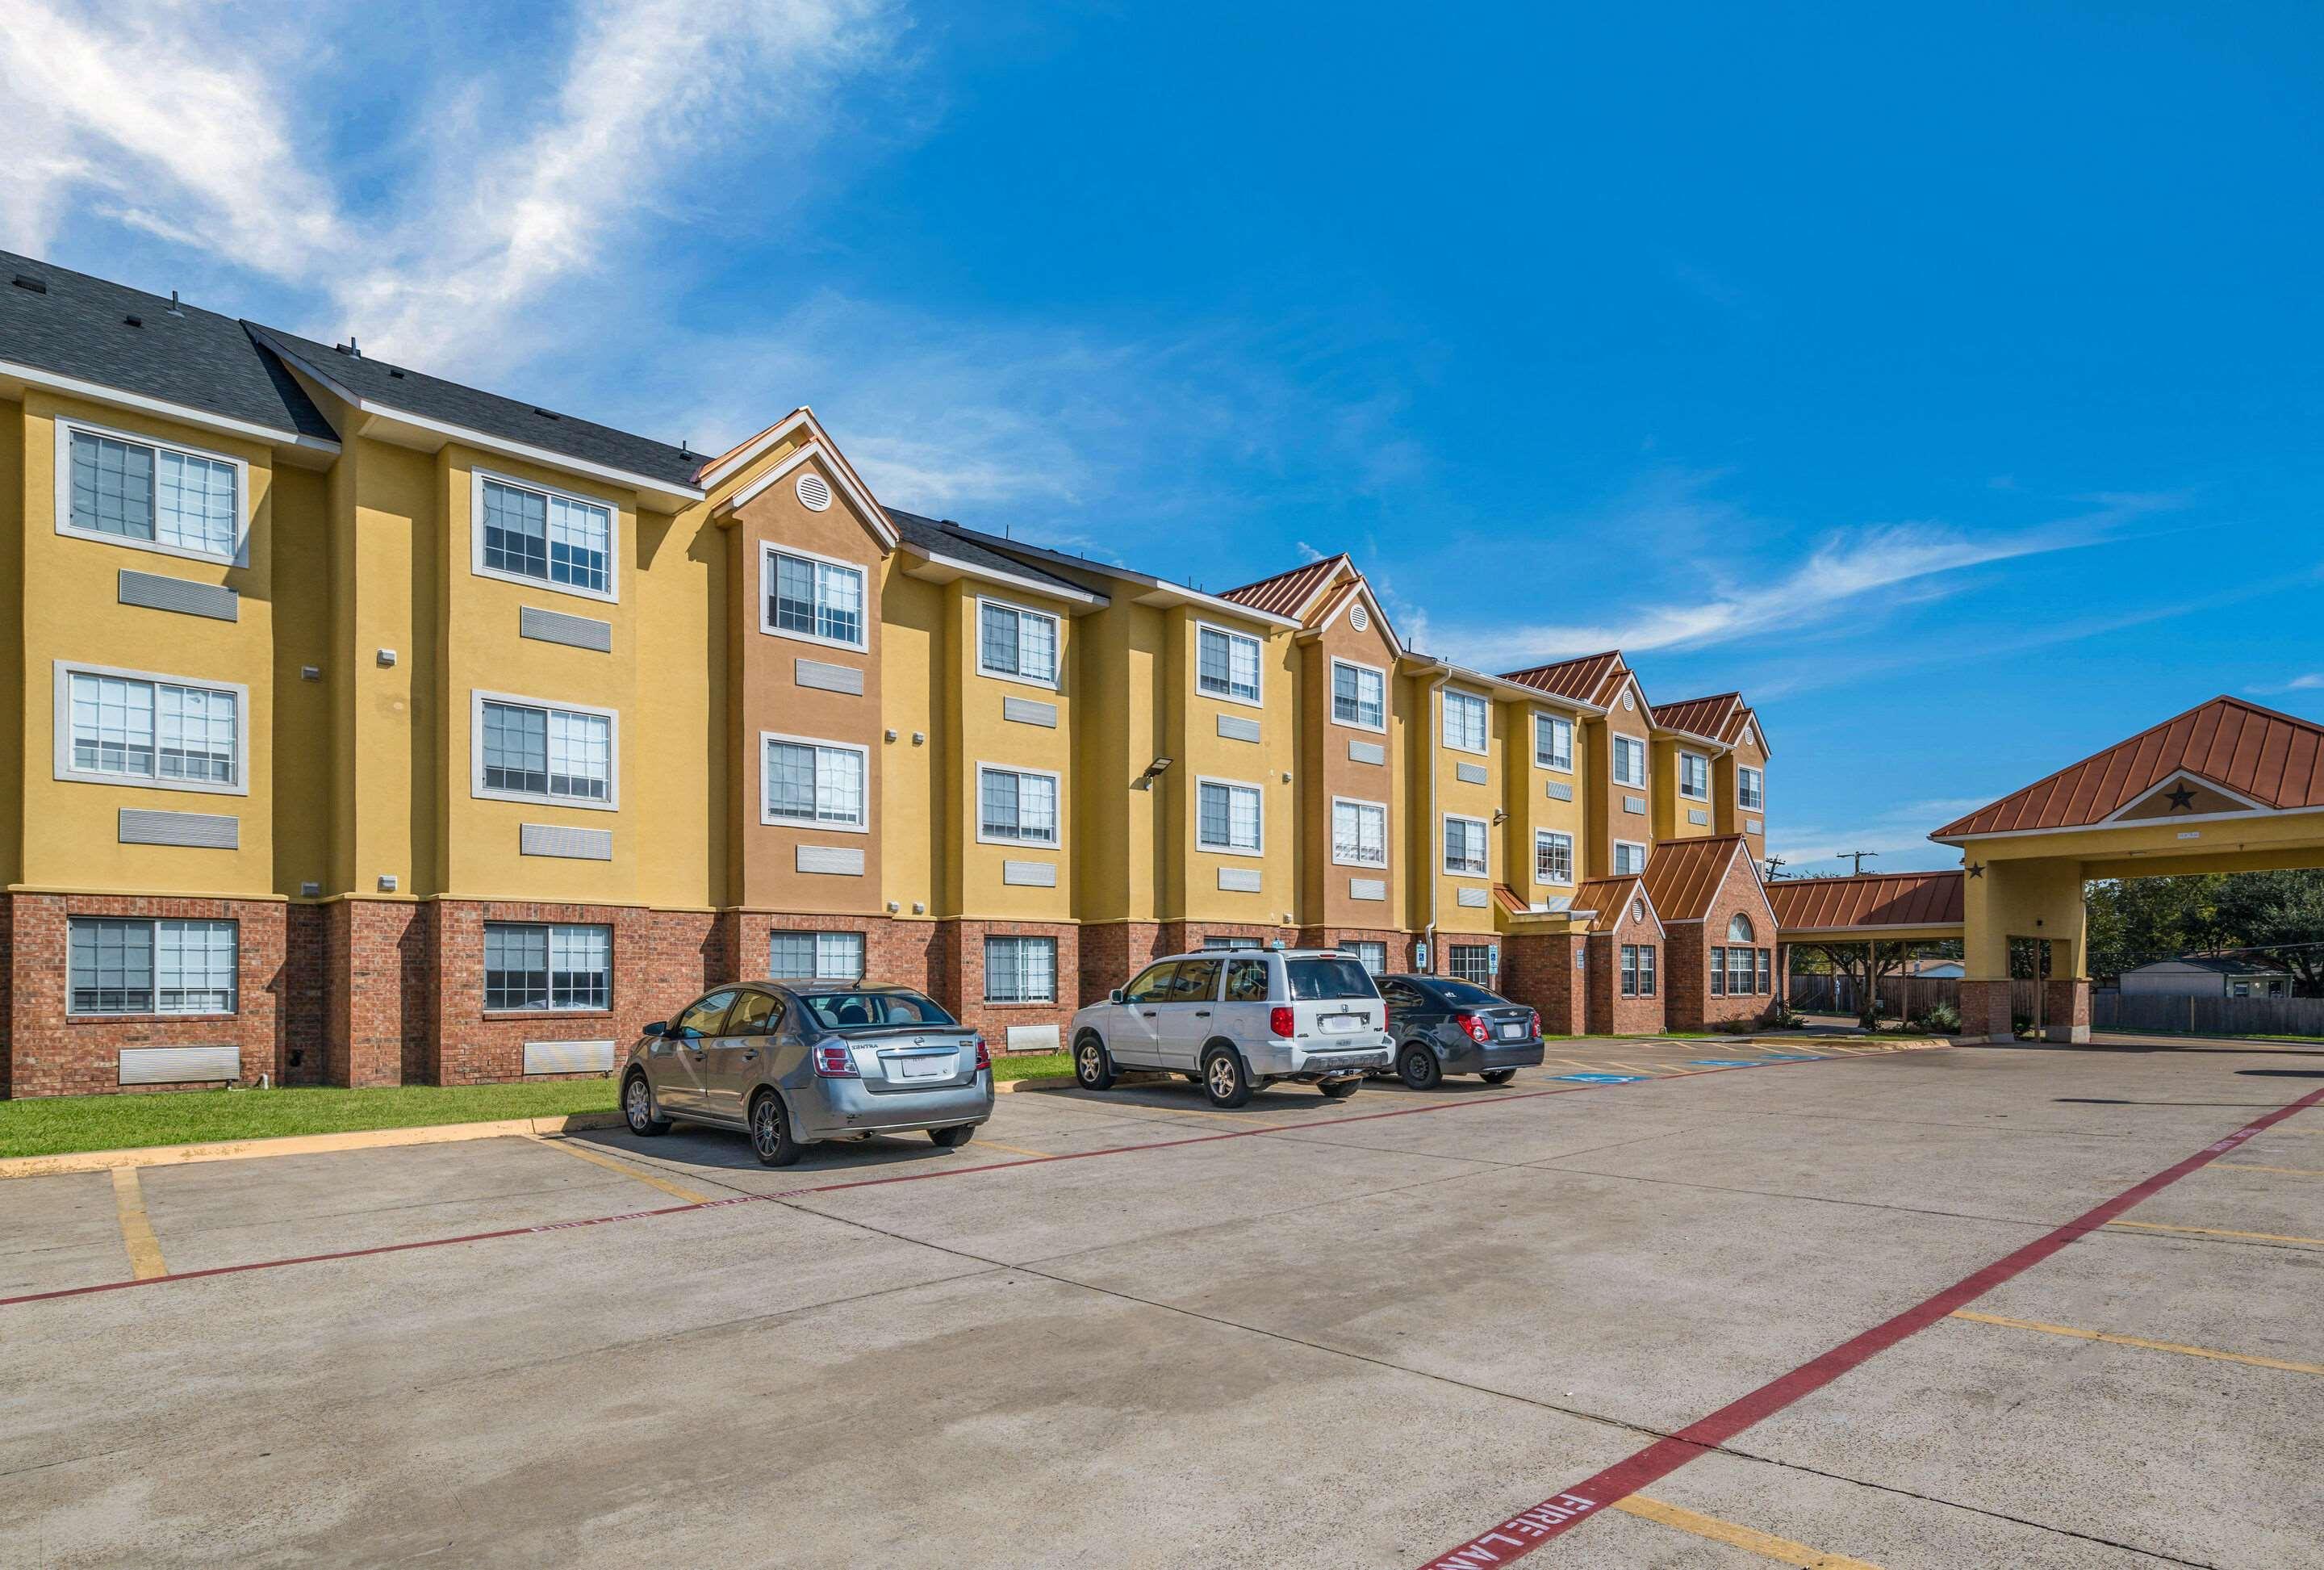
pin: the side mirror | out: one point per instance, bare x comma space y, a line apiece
657, 1027
1116, 996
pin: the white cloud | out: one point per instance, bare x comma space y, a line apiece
2306, 683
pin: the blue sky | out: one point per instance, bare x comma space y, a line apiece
1949, 382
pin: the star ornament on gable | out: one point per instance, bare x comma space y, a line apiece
1976, 869
2180, 798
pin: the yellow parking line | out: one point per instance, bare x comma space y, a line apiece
2287, 1171
1782, 1550
136, 1228
2219, 1232
2107, 1335
653, 1179
1013, 1150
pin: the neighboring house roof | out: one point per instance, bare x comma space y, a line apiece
1591, 679
2271, 759
1609, 899
2212, 965
75, 327
943, 537
1286, 594
1873, 900
1683, 876
399, 389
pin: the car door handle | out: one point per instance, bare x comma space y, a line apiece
1202, 1014
751, 1054
1147, 1013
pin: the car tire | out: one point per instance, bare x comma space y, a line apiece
1092, 1063
1225, 1078
1418, 1067
770, 1132
954, 1138
638, 1108
1498, 1075
1340, 1089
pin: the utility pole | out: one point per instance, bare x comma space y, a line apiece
1773, 862
1858, 858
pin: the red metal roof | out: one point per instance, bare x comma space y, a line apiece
1286, 593
1609, 898
1872, 901
1711, 718
2271, 758
1511, 900
1583, 679
1683, 876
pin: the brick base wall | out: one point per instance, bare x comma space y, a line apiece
1539, 971
2065, 1010
1607, 1012
1984, 1010
961, 945
1113, 952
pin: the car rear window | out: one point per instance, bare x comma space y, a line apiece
1329, 978
873, 1010
1463, 994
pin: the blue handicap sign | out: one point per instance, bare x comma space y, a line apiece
1726, 1062
1606, 1078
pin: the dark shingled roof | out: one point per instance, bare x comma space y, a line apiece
198, 359
940, 536
399, 387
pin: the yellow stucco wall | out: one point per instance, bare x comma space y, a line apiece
1531, 809
978, 733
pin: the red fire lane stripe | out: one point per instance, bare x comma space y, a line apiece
1528, 1529
505, 1231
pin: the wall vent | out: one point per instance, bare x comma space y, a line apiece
813, 494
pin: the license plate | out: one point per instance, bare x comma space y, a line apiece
1341, 1023
925, 1067
1513, 1032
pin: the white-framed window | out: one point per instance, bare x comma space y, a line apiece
131, 966
1553, 856
1741, 965
1469, 962
524, 750
127, 489
1226, 664
816, 599
1467, 719
1228, 945
533, 964
137, 727
1695, 776
1016, 806
1629, 760
810, 783
1750, 789
1229, 815
1630, 857
1465, 852
1020, 970
1359, 696
1639, 970
1740, 930
815, 955
1359, 833
1368, 952
530, 535
1553, 743
1015, 643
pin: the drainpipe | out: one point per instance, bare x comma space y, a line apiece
1435, 851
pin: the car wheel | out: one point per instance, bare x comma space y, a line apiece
1340, 1089
954, 1138
1498, 1075
770, 1132
637, 1106
1419, 1067
1092, 1063
1225, 1080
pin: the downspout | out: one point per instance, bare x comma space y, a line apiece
1436, 848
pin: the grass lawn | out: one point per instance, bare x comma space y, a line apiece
1031, 1065
53, 1125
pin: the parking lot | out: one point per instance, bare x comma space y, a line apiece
1302, 1333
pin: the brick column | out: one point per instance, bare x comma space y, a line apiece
2065, 1010
1985, 1012
1541, 971
379, 979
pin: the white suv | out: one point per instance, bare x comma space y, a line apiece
1236, 1021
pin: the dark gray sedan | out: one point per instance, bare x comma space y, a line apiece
793, 1063
1442, 1026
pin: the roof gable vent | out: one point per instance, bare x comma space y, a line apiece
1357, 617
814, 495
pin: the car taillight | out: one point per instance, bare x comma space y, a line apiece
835, 1063
1533, 1021
1472, 1027
984, 1054
1278, 1022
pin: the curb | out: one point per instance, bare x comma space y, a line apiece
298, 1145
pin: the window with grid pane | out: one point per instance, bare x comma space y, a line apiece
119, 965
1629, 760
1553, 742
1371, 953
154, 494
813, 782
1464, 847
1719, 973
815, 955
1695, 776
1630, 857
1645, 970
1740, 972
538, 534
1552, 857
1019, 643
538, 966
1228, 816
1020, 970
153, 730
1464, 721
1751, 789
1359, 696
1360, 833
1629, 970
1227, 664
816, 599
1019, 807
1765, 972
559, 754
1471, 962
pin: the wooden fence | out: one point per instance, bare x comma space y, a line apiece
1898, 996
2112, 1009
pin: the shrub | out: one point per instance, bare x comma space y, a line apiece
1941, 1017
1734, 1027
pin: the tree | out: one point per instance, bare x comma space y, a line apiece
2277, 914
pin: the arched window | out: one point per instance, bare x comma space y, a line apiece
1739, 929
